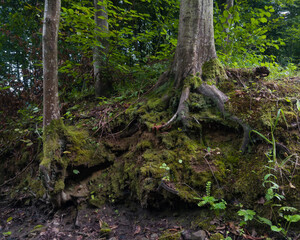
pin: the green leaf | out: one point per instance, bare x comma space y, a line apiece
276, 229
6, 233
263, 20
292, 218
262, 136
265, 220
288, 209
75, 171
247, 214
298, 105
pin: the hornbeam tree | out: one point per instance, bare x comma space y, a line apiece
196, 66
50, 84
52, 123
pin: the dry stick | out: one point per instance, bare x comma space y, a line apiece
10, 180
212, 171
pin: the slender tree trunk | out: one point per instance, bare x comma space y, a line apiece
50, 168
195, 39
102, 85
229, 4
50, 84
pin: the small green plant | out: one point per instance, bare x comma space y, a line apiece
272, 188
215, 204
166, 176
249, 215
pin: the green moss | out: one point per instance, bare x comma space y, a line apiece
192, 81
143, 145
216, 236
169, 235
213, 70
59, 186
105, 229
203, 222
66, 147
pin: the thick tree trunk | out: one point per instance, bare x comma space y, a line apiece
195, 53
50, 84
195, 39
196, 62
102, 86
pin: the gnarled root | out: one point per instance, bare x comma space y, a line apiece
182, 110
219, 98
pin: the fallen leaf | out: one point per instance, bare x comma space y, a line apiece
137, 230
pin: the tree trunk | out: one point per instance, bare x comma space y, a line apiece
102, 85
196, 66
229, 4
50, 84
195, 39
50, 166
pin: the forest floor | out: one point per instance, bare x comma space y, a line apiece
25, 218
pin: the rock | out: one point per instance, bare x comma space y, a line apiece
113, 238
199, 235
186, 235
154, 236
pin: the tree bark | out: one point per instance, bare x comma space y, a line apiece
195, 39
229, 4
50, 68
52, 124
102, 85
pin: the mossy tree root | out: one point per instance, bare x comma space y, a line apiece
219, 98
182, 110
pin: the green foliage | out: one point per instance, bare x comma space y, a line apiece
270, 182
215, 204
247, 35
166, 176
247, 214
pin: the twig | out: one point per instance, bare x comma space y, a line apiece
211, 170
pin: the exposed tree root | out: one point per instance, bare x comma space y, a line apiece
182, 110
219, 98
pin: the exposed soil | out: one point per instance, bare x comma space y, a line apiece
24, 218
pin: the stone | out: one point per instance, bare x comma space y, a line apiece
199, 235
154, 236
113, 238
